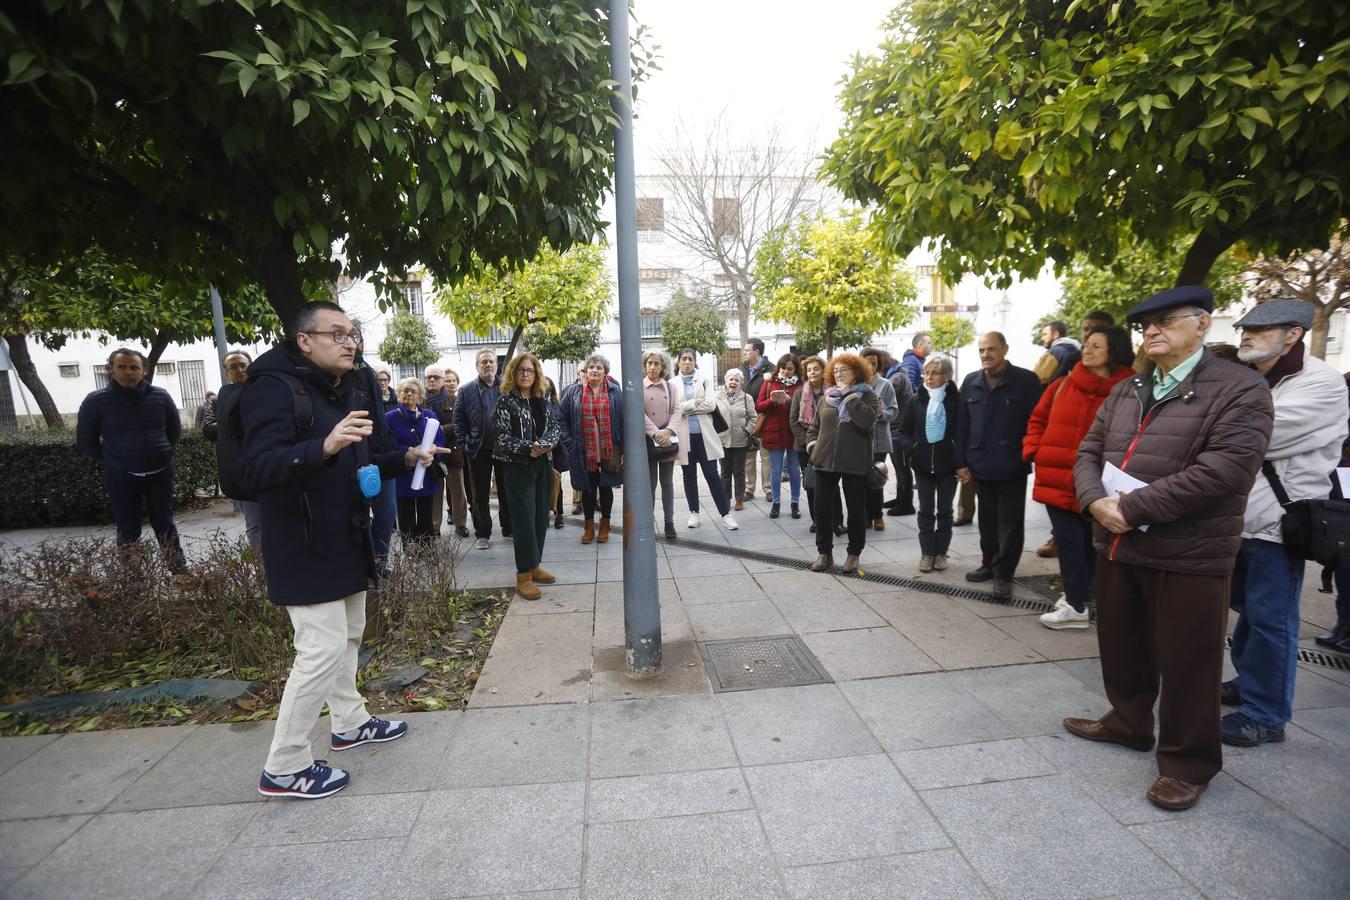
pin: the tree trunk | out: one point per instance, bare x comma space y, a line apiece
23, 365
743, 315
163, 338
1321, 325
515, 339
1205, 249
830, 321
279, 272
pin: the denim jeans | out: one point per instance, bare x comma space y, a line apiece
778, 457
1077, 556
1266, 587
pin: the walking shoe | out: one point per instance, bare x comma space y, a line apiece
693, 520
1065, 617
462, 531
740, 504
1048, 550
375, 731
840, 530
878, 524
925, 563
1174, 794
1093, 730
823, 562
773, 511
1241, 730
602, 535
588, 531
1003, 589
670, 531
480, 544
557, 521
1229, 695
730, 522
319, 780
542, 576
960, 522
1061, 601
940, 562
796, 513
1333, 637
983, 573
748, 496
813, 527
900, 511
576, 509
850, 564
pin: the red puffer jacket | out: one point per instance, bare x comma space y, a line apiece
1058, 424
777, 431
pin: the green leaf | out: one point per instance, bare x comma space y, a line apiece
1336, 92
483, 201
1180, 84
1259, 114
1215, 120
247, 75
301, 110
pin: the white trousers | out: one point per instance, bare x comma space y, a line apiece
327, 638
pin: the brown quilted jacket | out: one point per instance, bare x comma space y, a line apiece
1199, 448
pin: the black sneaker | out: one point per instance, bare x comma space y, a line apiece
900, 511
983, 573
1229, 694
462, 531
773, 511
557, 521
375, 731
1003, 589
670, 532
1241, 730
319, 780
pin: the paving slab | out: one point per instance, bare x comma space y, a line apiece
344, 817
713, 856
557, 598
770, 726
1305, 774
1269, 854
705, 564
407, 764
82, 773
1014, 834
1051, 644
520, 745
151, 853
836, 809
1332, 724
494, 840
1087, 671
14, 750
26, 842
952, 635
910, 712
696, 590
978, 763
665, 795
930, 875
350, 870
682, 672
1032, 699
537, 659
1313, 690
867, 653
609, 615
831, 609
723, 621
236, 753
668, 734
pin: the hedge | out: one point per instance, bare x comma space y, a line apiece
45, 481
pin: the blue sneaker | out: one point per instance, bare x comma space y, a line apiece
375, 731
1241, 730
319, 780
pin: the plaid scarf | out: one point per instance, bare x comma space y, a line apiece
595, 425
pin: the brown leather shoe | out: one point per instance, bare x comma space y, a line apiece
823, 562
542, 576
604, 531
1092, 730
1048, 550
1173, 793
850, 565
740, 504
588, 532
525, 586
878, 524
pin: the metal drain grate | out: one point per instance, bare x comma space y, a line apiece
1313, 657
909, 584
751, 663
1045, 585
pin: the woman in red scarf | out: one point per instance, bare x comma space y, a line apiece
592, 427
1058, 424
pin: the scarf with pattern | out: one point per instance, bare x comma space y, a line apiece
835, 398
595, 424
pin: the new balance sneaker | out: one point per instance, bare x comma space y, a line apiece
1241, 730
319, 780
1065, 617
375, 731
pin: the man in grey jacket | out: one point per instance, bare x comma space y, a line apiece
1305, 446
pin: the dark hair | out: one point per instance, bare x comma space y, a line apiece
753, 342
230, 353
919, 339
882, 360
788, 358
306, 315
127, 351
1102, 316
1059, 326
1119, 349
690, 350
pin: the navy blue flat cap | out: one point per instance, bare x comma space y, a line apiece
1196, 295
1278, 312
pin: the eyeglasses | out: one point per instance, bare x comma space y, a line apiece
1167, 321
340, 337
524, 371
841, 370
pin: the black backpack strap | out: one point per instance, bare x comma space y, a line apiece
302, 404
1268, 470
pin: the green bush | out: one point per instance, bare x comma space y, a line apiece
45, 481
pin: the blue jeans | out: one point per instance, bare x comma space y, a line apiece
1077, 556
1266, 587
777, 458
385, 509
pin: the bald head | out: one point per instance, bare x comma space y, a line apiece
993, 352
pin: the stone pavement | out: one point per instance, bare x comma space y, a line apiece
933, 765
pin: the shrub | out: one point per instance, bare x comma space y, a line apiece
45, 481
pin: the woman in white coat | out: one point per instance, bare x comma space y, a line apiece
700, 444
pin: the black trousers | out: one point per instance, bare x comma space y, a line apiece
1077, 556
529, 493
482, 468
733, 470
698, 460
828, 511
904, 478
416, 516
875, 497
589, 492
1003, 506
130, 494
935, 512
804, 460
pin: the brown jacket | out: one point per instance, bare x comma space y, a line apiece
844, 447
1199, 449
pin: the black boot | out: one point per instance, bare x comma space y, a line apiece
796, 513
1334, 636
773, 511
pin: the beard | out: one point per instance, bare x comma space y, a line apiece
1255, 355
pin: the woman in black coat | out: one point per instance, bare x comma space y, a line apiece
927, 431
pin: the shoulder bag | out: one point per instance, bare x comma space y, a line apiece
1317, 530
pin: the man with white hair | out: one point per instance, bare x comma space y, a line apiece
1305, 445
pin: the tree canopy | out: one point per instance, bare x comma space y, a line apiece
409, 341
1020, 132
571, 344
1320, 277
827, 272
693, 321
811, 341
950, 333
553, 290
246, 139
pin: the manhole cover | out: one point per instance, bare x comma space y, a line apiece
769, 662
1046, 585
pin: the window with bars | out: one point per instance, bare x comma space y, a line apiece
411, 292
69, 370
651, 326
406, 370
497, 335
165, 368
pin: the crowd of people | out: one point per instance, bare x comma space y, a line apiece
1167, 486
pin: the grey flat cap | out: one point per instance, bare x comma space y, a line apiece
1278, 312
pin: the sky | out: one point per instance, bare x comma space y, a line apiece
764, 62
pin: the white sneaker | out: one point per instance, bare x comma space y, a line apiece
480, 544
693, 520
1065, 617
728, 521
1061, 602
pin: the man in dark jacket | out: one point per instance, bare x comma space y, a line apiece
912, 361
316, 535
131, 427
474, 406
996, 404
757, 368
1194, 430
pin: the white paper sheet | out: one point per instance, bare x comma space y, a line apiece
1116, 481
1343, 476
428, 441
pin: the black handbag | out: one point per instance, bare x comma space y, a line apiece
876, 477
655, 452
719, 422
1316, 530
809, 477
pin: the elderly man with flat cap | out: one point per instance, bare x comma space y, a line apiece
1193, 429
1305, 446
